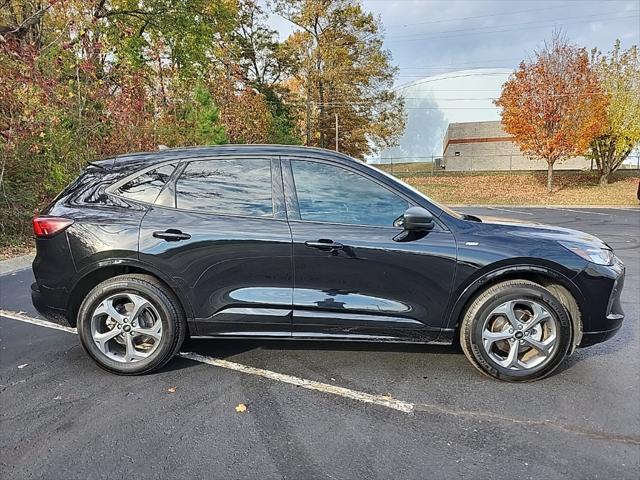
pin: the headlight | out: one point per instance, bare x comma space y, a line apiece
600, 256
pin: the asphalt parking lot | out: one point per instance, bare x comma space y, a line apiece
374, 411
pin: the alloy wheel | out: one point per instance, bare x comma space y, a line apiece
126, 327
520, 335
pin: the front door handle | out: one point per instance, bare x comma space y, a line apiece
172, 235
325, 245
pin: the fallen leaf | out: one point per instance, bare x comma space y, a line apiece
171, 389
241, 408
23, 365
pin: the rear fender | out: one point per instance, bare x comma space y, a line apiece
94, 273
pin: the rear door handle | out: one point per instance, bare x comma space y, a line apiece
326, 245
172, 235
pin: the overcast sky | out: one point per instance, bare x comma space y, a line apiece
432, 37
428, 37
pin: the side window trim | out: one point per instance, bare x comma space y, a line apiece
168, 192
277, 190
111, 189
290, 194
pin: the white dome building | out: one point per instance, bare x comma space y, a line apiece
433, 102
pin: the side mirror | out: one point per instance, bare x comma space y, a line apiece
417, 219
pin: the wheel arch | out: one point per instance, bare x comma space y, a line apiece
94, 274
562, 286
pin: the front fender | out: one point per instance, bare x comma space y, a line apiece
495, 273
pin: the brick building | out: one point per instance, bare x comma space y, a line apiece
485, 146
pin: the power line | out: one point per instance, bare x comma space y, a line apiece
467, 66
445, 65
495, 98
454, 19
492, 27
429, 80
503, 29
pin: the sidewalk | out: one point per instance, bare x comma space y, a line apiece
14, 264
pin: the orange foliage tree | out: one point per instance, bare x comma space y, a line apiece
553, 105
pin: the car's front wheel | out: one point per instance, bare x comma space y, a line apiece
516, 331
131, 324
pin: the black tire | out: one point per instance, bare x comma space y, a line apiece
471, 329
174, 324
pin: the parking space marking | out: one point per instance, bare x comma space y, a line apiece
578, 211
381, 400
511, 211
35, 321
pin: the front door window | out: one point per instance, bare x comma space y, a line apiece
330, 194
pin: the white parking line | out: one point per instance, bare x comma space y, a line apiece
511, 211
35, 321
382, 400
578, 211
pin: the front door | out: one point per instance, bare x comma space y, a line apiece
221, 232
355, 276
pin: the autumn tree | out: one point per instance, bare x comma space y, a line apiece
266, 64
84, 79
553, 104
343, 71
81, 79
619, 75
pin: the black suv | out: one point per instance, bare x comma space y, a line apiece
290, 242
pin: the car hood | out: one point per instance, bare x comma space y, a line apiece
543, 232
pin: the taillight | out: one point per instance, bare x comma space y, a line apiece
45, 227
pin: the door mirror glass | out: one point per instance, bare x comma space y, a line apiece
417, 219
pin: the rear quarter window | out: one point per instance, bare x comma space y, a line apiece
147, 186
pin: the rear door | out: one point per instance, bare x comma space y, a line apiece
356, 275
220, 230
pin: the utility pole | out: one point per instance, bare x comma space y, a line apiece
308, 119
336, 132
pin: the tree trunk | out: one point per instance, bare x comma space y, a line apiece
604, 179
605, 171
549, 177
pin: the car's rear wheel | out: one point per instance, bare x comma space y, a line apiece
131, 324
516, 331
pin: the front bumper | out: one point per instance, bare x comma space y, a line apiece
602, 287
591, 338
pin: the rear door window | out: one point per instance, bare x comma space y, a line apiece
147, 186
227, 186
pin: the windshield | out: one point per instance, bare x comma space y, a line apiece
444, 208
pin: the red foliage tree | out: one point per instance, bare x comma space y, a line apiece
553, 105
